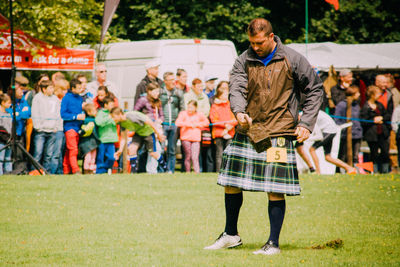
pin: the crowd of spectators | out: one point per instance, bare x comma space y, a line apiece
62, 121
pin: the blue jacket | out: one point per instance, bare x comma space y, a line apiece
24, 112
356, 129
71, 107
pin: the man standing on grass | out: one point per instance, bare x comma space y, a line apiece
265, 86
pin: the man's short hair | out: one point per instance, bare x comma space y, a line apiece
166, 74
180, 71
259, 25
74, 82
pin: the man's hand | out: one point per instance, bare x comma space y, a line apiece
302, 134
378, 119
244, 120
81, 117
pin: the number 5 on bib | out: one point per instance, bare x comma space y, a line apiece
277, 154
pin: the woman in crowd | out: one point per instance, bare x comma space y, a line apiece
223, 121
376, 132
191, 123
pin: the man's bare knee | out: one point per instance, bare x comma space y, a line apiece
232, 190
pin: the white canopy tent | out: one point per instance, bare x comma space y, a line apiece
351, 56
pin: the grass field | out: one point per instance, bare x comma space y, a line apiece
166, 220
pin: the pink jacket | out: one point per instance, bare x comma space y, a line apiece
191, 125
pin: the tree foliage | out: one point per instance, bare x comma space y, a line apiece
72, 22
357, 21
63, 23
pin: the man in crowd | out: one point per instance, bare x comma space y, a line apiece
386, 99
101, 80
265, 86
338, 92
151, 76
172, 104
209, 90
181, 80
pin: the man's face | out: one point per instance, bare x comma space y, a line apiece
348, 79
382, 82
169, 82
210, 85
153, 71
101, 73
262, 44
182, 79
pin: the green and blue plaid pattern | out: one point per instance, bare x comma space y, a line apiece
244, 168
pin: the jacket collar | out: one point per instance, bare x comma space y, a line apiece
252, 56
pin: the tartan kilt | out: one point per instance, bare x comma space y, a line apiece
244, 168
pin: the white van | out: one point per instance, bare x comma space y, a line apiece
125, 61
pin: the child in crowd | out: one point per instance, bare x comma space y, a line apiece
145, 133
150, 104
47, 121
5, 133
71, 113
376, 133
108, 135
328, 127
102, 93
223, 121
89, 141
191, 123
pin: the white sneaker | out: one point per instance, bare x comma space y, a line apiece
268, 249
226, 241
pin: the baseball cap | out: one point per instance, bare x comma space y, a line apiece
344, 72
152, 64
210, 78
22, 80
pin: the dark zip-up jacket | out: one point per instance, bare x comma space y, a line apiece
270, 94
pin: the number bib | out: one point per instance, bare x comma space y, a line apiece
277, 154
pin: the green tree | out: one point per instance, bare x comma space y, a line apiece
358, 21
157, 19
64, 23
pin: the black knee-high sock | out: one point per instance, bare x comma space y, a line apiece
276, 212
233, 202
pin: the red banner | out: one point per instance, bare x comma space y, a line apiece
33, 54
